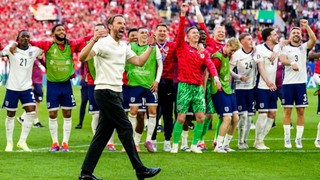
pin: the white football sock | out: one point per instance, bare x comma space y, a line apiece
201, 142
137, 138
132, 119
318, 134
23, 115
9, 128
26, 126
168, 142
112, 137
53, 126
36, 120
219, 141
151, 126
184, 136
241, 126
227, 140
159, 121
146, 121
266, 128
67, 123
286, 131
259, 126
94, 122
247, 127
299, 132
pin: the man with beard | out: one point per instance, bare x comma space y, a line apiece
190, 77
294, 57
19, 88
143, 83
110, 57
60, 70
266, 100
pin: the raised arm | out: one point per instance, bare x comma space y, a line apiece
181, 33
87, 53
201, 20
312, 36
80, 43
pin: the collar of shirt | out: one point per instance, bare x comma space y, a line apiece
112, 41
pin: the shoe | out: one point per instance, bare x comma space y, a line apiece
123, 150
149, 147
317, 143
154, 145
148, 173
195, 149
38, 125
228, 149
9, 147
167, 147
241, 146
88, 177
111, 147
20, 120
185, 148
160, 128
219, 150
202, 146
24, 147
287, 143
174, 148
274, 126
214, 144
55, 147
137, 147
260, 146
252, 126
79, 126
245, 145
191, 126
298, 143
64, 147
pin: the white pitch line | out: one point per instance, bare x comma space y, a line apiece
46, 149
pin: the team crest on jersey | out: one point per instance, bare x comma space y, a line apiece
202, 56
133, 99
30, 53
179, 107
261, 105
166, 48
226, 109
258, 56
7, 103
300, 47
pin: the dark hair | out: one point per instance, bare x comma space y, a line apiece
100, 25
142, 28
266, 33
55, 27
111, 19
132, 30
243, 35
20, 33
163, 25
190, 28
200, 29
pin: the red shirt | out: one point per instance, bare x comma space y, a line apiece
317, 68
191, 64
89, 77
212, 45
168, 52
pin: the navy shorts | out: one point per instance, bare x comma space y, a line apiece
11, 99
93, 107
126, 97
266, 100
225, 104
294, 93
60, 94
137, 93
38, 93
245, 101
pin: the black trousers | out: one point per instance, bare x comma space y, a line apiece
166, 99
111, 116
84, 101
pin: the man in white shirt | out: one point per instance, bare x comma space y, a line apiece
110, 57
294, 57
266, 100
19, 88
245, 82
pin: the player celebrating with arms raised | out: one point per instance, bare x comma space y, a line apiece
294, 57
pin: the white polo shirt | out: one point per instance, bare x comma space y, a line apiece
109, 62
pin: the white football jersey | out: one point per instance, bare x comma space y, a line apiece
245, 66
298, 55
262, 54
21, 66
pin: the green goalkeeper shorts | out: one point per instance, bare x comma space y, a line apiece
210, 107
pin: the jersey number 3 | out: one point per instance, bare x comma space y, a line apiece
23, 62
296, 58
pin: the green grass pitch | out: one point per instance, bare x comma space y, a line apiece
277, 163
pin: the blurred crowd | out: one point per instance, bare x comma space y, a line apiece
80, 16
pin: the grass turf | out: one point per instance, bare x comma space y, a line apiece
277, 163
